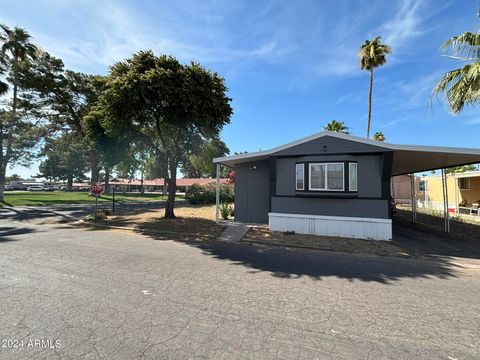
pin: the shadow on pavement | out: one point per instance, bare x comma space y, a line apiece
7, 231
24, 213
295, 263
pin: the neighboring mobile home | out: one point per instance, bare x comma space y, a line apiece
463, 191
330, 183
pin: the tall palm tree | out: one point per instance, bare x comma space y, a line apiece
16, 48
16, 43
372, 54
378, 136
461, 86
337, 126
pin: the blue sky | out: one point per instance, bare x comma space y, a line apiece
291, 66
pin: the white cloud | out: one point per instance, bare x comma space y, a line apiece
405, 25
112, 32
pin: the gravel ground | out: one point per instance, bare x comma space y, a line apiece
262, 235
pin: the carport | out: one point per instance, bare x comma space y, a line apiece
411, 159
269, 174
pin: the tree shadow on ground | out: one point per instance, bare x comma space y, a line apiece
290, 263
6, 232
26, 214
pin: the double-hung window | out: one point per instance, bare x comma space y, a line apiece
326, 177
300, 177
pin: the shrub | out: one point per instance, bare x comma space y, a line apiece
226, 210
206, 194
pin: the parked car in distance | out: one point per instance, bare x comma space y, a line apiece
36, 188
9, 187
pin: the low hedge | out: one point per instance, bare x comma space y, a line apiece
206, 194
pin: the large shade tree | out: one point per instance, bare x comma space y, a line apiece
160, 100
16, 53
372, 54
65, 159
460, 87
200, 164
64, 98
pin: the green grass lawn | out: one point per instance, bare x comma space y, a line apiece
62, 197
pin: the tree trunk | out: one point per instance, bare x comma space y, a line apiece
94, 167
69, 182
141, 183
370, 103
172, 185
107, 180
3, 170
165, 186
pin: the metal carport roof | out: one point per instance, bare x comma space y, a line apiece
406, 158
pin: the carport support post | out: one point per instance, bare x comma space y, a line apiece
414, 203
445, 201
217, 196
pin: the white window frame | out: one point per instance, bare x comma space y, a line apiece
460, 181
303, 175
356, 177
326, 177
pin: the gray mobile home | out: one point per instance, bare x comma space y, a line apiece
330, 183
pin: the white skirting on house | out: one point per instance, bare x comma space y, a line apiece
351, 227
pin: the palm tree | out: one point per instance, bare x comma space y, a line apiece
372, 54
336, 126
461, 86
17, 43
378, 136
16, 49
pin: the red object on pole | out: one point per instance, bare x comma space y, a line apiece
96, 189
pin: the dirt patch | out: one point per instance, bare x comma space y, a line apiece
191, 220
329, 243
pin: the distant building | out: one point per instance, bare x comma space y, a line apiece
156, 185
463, 190
402, 189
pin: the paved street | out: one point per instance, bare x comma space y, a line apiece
117, 295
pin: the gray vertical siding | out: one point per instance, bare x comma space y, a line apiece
252, 192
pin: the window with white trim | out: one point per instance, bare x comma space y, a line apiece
352, 176
300, 177
326, 177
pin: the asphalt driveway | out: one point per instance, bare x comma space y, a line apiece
113, 295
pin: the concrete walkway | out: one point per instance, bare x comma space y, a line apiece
234, 233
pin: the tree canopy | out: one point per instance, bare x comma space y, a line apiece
169, 106
371, 55
17, 134
460, 87
336, 126
66, 159
378, 136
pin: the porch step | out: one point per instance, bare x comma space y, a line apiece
234, 233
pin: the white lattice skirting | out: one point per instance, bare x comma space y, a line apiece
351, 227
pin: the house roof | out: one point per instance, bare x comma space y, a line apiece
160, 181
406, 158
